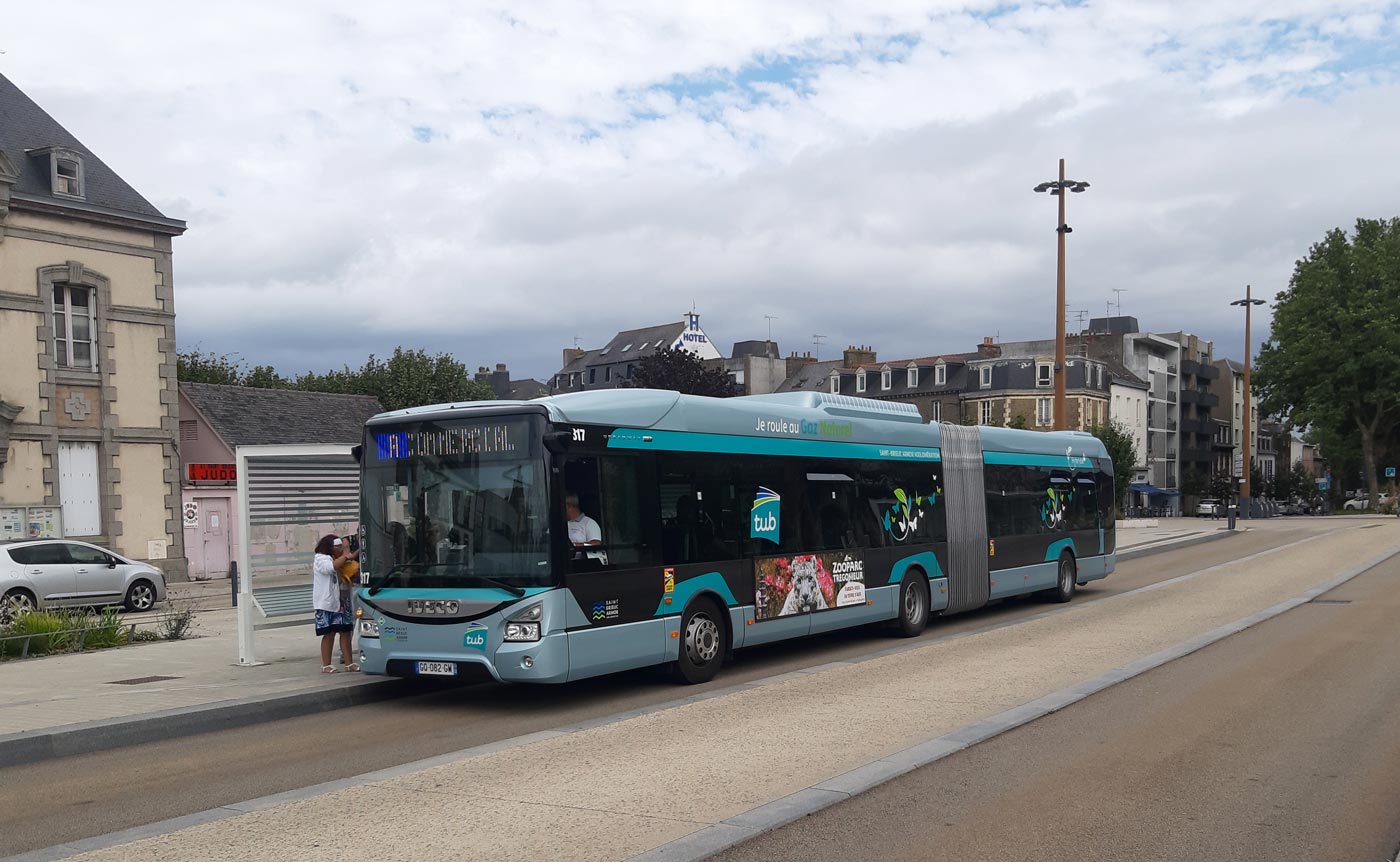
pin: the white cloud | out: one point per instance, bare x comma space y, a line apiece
498, 181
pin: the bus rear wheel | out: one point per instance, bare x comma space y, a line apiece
913, 605
702, 643
1068, 580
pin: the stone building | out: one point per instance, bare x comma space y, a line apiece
88, 398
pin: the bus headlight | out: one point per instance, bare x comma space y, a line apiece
524, 625
369, 628
522, 631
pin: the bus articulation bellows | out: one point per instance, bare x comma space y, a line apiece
701, 526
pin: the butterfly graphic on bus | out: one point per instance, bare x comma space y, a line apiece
902, 520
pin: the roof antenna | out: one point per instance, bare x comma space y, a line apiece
770, 318
1120, 291
817, 351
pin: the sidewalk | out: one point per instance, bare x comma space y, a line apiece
709, 771
89, 701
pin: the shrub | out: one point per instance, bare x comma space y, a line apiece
105, 631
49, 631
176, 624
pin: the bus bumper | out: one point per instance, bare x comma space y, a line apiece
398, 651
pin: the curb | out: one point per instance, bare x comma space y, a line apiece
18, 749
1176, 545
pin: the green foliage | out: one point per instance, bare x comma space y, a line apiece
1018, 421
176, 624
1194, 484
1332, 362
107, 630
1122, 450
408, 378
1222, 486
684, 372
195, 366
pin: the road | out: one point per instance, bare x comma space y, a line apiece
90, 795
1281, 743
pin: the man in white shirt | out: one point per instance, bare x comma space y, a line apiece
583, 530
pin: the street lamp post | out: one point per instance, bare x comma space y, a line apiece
1058, 187
1248, 302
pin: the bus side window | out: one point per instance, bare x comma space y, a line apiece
701, 510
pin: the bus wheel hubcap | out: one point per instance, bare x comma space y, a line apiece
913, 607
701, 639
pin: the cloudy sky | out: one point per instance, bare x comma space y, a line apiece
497, 180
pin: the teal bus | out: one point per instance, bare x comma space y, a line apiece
583, 534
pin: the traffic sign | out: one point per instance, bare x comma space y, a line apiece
1390, 472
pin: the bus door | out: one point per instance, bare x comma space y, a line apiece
618, 583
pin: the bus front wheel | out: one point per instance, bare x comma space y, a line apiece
702, 643
913, 605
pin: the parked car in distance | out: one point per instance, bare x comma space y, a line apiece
46, 573
1210, 508
1362, 503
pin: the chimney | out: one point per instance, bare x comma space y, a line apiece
862, 355
570, 354
794, 362
988, 349
500, 381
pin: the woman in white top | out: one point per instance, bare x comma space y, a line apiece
332, 617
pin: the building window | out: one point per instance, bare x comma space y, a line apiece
985, 377
1044, 374
911, 378
1098, 376
935, 411
860, 380
984, 413
835, 384
940, 375
592, 375
886, 379
607, 374
74, 325
1042, 411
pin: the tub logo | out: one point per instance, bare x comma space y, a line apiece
475, 637
767, 506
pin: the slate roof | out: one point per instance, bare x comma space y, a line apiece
244, 416
642, 340
527, 389
812, 375
26, 126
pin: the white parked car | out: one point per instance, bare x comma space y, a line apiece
1210, 508
1362, 503
63, 573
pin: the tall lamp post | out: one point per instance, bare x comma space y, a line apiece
1058, 187
1248, 302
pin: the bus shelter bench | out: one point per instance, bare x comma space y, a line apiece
279, 607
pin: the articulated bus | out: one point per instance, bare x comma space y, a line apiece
700, 526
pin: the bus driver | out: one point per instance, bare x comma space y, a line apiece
583, 530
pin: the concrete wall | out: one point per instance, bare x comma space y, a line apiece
20, 378
142, 467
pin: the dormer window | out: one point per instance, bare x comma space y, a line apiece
65, 170
911, 377
940, 375
835, 384
985, 378
860, 380
886, 379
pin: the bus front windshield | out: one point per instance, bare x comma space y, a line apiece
456, 503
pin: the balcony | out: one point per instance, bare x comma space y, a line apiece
1195, 455
1200, 397
1171, 424
1171, 397
1171, 368
1203, 370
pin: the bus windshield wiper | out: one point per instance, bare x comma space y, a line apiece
383, 580
510, 588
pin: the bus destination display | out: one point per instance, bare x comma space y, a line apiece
487, 439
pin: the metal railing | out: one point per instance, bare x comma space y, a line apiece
82, 634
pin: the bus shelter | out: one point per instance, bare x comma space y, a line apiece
288, 497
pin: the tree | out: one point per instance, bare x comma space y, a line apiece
684, 372
1122, 450
1333, 359
195, 366
1018, 421
1222, 486
409, 378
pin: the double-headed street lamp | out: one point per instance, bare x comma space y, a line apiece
1059, 187
1248, 302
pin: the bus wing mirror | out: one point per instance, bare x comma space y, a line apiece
359, 454
557, 442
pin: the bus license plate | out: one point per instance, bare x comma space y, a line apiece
437, 668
